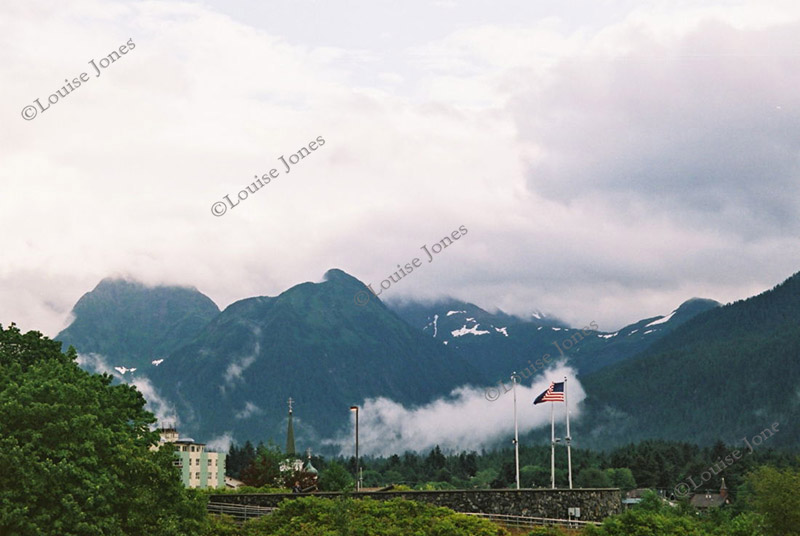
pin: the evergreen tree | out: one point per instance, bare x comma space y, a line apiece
238, 458
265, 469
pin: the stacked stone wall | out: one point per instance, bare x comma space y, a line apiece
595, 504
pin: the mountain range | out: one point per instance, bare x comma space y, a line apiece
701, 373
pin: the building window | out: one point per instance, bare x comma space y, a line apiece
178, 463
197, 476
209, 462
197, 461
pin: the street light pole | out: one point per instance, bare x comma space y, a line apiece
516, 428
358, 483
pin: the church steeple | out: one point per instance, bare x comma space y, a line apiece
290, 433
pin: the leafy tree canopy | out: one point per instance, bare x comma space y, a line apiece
776, 496
75, 451
335, 478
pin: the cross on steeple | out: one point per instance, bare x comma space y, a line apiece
290, 404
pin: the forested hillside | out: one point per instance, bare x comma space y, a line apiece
727, 373
311, 343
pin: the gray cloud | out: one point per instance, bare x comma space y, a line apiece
703, 130
610, 159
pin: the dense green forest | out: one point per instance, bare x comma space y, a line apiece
653, 464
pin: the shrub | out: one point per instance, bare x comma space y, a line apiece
312, 516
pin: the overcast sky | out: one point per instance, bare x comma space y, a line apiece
610, 159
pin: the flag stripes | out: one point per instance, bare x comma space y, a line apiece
554, 393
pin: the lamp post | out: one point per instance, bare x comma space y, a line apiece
516, 428
358, 483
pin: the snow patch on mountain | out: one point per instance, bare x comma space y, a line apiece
471, 331
662, 320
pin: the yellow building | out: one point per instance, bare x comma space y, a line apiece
200, 468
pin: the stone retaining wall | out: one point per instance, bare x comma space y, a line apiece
595, 503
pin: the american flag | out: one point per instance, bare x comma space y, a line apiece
554, 393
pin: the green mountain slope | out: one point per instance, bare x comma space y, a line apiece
728, 373
131, 325
312, 343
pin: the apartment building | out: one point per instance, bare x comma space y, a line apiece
200, 468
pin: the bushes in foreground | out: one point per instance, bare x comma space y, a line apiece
655, 517
315, 516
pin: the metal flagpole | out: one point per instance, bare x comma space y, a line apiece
516, 429
552, 448
569, 452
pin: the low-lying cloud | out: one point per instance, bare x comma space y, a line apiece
96, 363
221, 443
464, 420
163, 410
248, 411
159, 406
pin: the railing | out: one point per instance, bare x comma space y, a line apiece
530, 522
243, 512
240, 512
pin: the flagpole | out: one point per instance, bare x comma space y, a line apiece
516, 429
552, 448
569, 452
